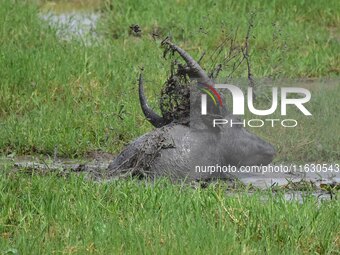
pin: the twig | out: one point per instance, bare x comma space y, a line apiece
245, 52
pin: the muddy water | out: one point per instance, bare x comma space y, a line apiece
315, 184
283, 179
73, 25
297, 186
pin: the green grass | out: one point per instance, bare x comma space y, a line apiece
62, 94
317, 137
53, 215
77, 98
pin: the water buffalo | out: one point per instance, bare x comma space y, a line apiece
178, 149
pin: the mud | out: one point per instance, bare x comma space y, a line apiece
296, 187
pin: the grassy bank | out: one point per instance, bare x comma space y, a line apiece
52, 215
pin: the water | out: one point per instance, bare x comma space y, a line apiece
73, 25
283, 179
296, 187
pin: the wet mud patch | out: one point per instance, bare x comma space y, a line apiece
295, 187
92, 165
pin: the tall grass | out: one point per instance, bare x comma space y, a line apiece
47, 215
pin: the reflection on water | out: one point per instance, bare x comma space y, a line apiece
74, 25
297, 186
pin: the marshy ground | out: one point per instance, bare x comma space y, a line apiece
61, 97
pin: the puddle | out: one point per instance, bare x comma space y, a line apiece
286, 179
300, 196
296, 186
73, 25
